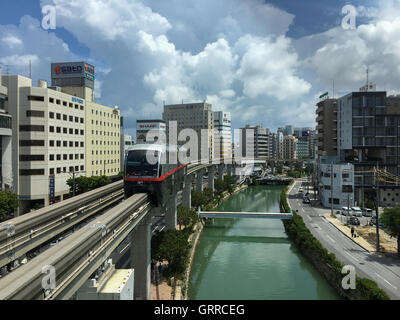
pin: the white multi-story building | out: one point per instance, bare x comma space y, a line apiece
48, 141
143, 127
222, 135
196, 116
5, 142
342, 182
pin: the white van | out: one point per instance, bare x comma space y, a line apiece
345, 211
356, 211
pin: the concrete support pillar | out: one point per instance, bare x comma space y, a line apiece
211, 177
171, 212
187, 192
141, 259
230, 169
199, 185
221, 171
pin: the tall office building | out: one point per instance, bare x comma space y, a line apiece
303, 148
290, 147
58, 135
5, 139
262, 143
327, 127
222, 135
48, 141
195, 116
102, 140
288, 130
143, 127
368, 137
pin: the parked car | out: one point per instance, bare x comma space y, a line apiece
356, 211
367, 212
354, 221
300, 190
346, 211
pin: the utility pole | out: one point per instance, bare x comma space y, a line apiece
377, 206
331, 188
348, 209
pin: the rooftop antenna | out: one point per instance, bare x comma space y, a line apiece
30, 69
367, 78
333, 89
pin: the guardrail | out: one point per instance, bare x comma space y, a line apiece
77, 257
22, 234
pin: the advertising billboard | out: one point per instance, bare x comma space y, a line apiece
72, 74
146, 126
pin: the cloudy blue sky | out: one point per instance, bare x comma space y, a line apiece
264, 61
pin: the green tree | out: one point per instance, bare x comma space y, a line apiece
85, 184
186, 217
172, 246
219, 190
391, 219
197, 199
229, 183
8, 203
279, 169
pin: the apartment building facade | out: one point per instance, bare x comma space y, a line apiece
327, 127
290, 147
368, 137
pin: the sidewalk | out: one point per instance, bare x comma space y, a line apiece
346, 231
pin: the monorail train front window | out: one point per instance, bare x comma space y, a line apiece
138, 166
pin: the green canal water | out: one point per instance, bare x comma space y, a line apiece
252, 259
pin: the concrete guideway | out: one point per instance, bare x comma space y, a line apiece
256, 215
78, 256
383, 270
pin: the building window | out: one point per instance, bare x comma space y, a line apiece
35, 98
71, 144
65, 157
71, 157
58, 170
58, 157
51, 115
51, 171
31, 128
51, 157
31, 143
65, 130
82, 132
31, 157
65, 117
82, 144
65, 144
82, 168
58, 116
71, 131
58, 101
35, 113
51, 100
51, 143
64, 103
58, 144
71, 118
71, 105
58, 129
31, 172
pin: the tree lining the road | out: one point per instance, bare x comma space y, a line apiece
391, 219
310, 246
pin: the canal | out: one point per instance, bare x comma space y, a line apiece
252, 259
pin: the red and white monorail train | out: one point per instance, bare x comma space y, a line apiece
153, 169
